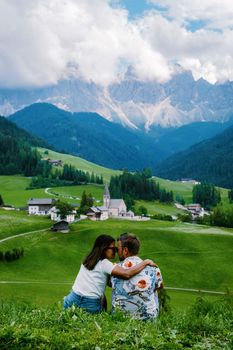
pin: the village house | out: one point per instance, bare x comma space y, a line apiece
190, 181
61, 226
56, 162
56, 217
196, 210
98, 213
40, 206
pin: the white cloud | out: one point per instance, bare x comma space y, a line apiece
46, 40
42, 41
206, 52
217, 13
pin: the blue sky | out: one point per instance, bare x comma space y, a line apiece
136, 7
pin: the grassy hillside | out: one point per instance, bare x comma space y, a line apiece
17, 222
81, 164
185, 189
52, 260
13, 191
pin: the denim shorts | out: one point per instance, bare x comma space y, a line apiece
91, 305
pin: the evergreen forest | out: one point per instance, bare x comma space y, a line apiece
135, 186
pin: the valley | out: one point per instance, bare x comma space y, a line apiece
51, 260
177, 247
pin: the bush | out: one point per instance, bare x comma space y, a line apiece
162, 217
185, 217
15, 254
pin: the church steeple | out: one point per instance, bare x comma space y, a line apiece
106, 196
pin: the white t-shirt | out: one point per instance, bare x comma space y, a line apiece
92, 283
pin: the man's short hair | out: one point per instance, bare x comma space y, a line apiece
130, 241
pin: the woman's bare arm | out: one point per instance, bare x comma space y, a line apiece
119, 271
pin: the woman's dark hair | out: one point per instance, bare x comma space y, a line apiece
102, 242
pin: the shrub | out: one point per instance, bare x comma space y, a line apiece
162, 217
15, 254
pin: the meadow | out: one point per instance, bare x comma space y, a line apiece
14, 191
17, 222
190, 256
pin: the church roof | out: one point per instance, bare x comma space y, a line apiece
115, 203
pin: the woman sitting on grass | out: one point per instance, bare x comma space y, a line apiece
90, 283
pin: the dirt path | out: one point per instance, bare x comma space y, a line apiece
22, 234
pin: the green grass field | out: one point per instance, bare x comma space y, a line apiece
156, 207
17, 222
190, 256
185, 189
14, 192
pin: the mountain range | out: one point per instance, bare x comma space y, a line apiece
210, 160
92, 137
89, 136
138, 105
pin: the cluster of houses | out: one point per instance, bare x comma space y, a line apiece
111, 208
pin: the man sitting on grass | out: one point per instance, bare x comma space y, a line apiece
138, 295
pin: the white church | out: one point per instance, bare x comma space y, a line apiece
111, 208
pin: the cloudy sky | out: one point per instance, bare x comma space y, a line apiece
43, 41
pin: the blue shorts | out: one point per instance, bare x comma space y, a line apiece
91, 305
